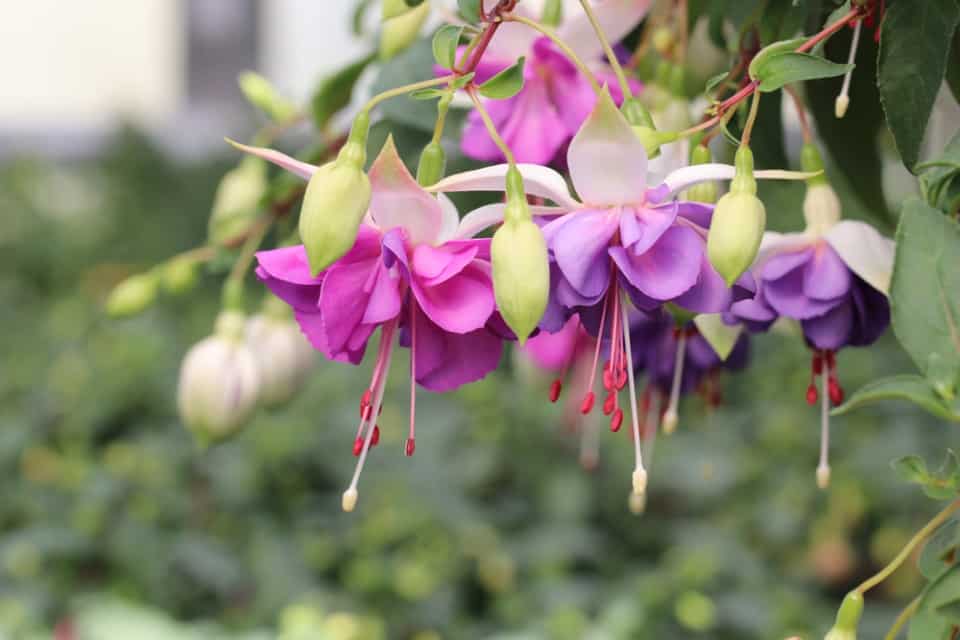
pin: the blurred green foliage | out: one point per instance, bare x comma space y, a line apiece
111, 520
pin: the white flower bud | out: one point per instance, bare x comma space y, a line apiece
284, 357
219, 381
821, 208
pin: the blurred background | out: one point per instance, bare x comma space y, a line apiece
113, 524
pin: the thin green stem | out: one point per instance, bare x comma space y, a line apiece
751, 119
909, 548
491, 128
405, 89
567, 51
902, 619
443, 106
611, 56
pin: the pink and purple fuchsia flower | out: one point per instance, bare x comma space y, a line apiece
414, 274
556, 98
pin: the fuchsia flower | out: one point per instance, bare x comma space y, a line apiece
833, 278
555, 100
415, 274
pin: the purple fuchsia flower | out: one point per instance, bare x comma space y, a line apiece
834, 279
414, 273
556, 98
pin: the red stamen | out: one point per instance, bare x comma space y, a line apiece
411, 447
817, 364
608, 380
587, 405
835, 391
555, 387
616, 420
609, 404
812, 394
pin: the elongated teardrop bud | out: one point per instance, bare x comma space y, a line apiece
401, 31
433, 163
133, 295
739, 220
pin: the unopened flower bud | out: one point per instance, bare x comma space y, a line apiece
821, 208
219, 381
401, 31
739, 220
663, 40
179, 276
521, 273
848, 618
706, 192
261, 94
635, 113
393, 8
236, 203
674, 115
284, 357
552, 13
336, 200
133, 295
433, 163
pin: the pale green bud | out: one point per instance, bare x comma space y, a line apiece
237, 201
261, 94
133, 295
674, 115
394, 8
335, 202
635, 113
433, 163
521, 273
552, 13
219, 381
705, 191
663, 40
284, 357
848, 618
401, 31
179, 276
739, 220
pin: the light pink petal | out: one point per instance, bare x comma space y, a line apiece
687, 177
451, 219
538, 181
617, 18
608, 164
398, 201
555, 351
491, 214
282, 160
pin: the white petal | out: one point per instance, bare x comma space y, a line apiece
617, 18
608, 164
282, 160
397, 200
694, 174
450, 221
868, 253
774, 242
537, 181
491, 214
721, 337
673, 156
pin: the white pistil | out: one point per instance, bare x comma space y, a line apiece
843, 100
670, 418
823, 469
349, 500
639, 478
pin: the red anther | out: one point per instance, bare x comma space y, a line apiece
375, 438
608, 379
555, 387
357, 446
817, 364
366, 412
411, 447
621, 379
812, 394
835, 391
831, 359
587, 405
609, 404
616, 420
365, 398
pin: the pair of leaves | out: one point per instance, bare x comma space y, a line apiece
505, 84
780, 64
915, 39
943, 484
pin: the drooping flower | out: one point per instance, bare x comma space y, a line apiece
415, 274
555, 100
833, 278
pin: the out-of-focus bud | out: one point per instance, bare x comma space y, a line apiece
521, 274
261, 94
237, 201
848, 618
673, 116
433, 163
552, 13
179, 276
284, 357
133, 295
636, 114
219, 381
663, 40
739, 220
336, 200
394, 8
401, 31
705, 191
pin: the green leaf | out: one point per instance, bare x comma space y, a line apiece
942, 547
914, 42
445, 42
470, 10
771, 50
780, 69
461, 81
407, 67
505, 84
335, 91
943, 595
911, 469
909, 387
928, 625
952, 75
938, 177
926, 279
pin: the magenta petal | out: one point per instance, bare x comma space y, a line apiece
343, 300
311, 325
460, 304
832, 329
641, 228
826, 277
445, 361
384, 297
434, 266
669, 268
580, 249
289, 264
555, 351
